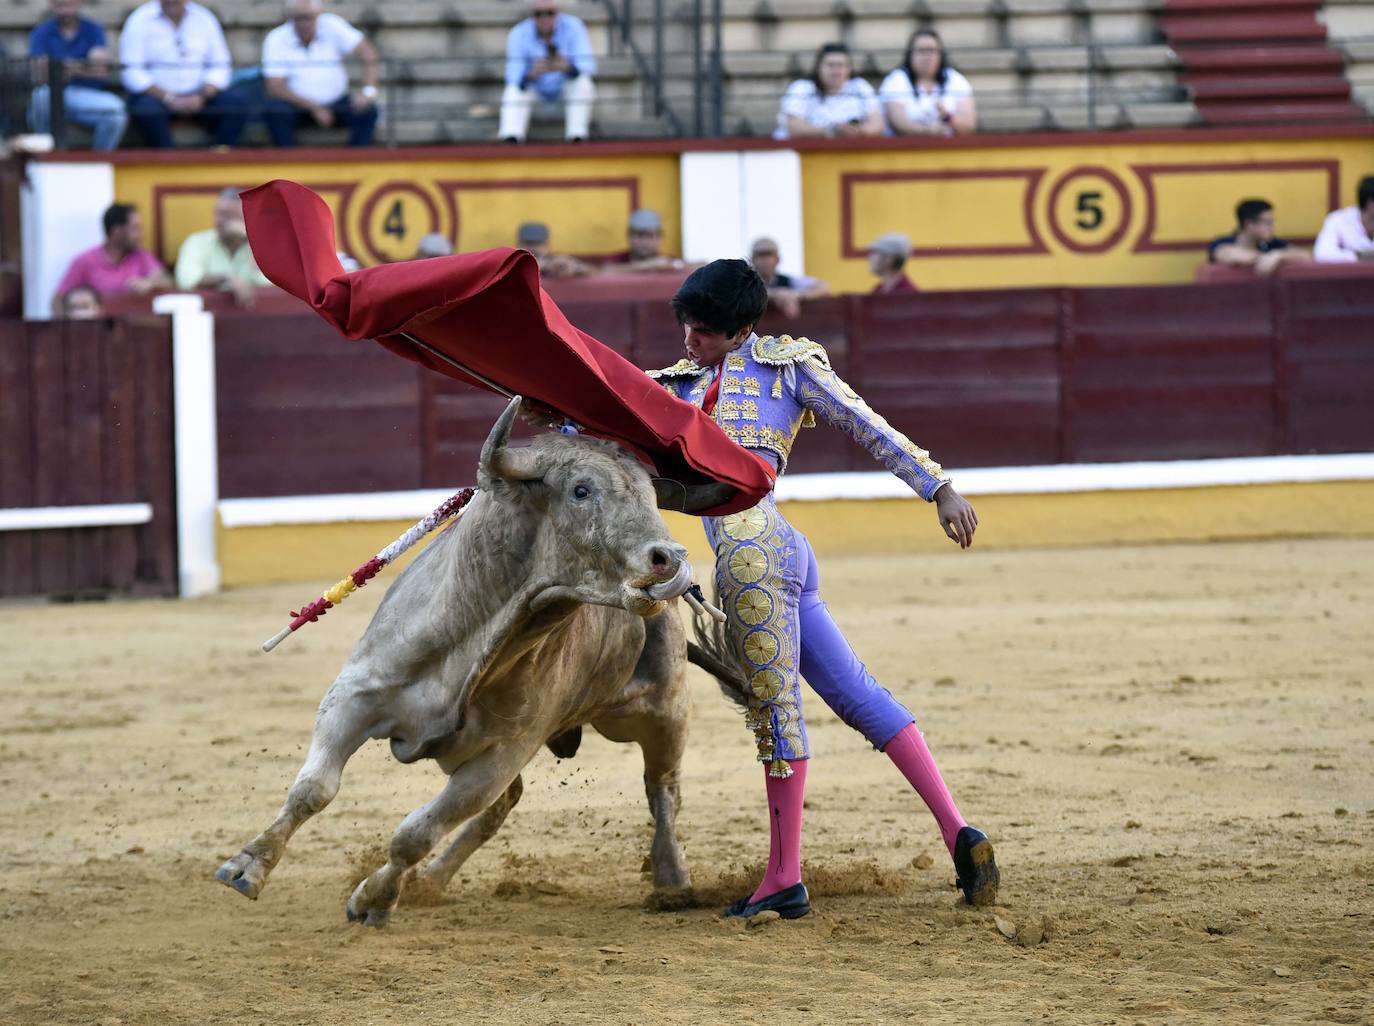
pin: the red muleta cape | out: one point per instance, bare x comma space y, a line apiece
487, 311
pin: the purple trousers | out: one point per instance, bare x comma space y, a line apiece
768, 581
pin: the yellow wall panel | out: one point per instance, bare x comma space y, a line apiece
383, 207
1094, 212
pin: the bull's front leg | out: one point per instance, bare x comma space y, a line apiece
470, 789
662, 773
341, 726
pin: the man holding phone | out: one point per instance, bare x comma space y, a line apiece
548, 57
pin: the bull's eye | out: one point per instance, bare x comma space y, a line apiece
581, 492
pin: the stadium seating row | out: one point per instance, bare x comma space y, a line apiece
1034, 64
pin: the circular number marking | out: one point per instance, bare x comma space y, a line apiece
394, 219
1089, 210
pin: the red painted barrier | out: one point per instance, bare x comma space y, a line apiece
86, 419
1008, 377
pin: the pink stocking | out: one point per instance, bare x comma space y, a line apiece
785, 796
908, 750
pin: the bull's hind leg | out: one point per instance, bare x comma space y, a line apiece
472, 788
341, 726
476, 832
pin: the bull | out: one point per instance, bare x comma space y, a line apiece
542, 609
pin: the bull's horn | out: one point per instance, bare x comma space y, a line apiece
682, 498
499, 461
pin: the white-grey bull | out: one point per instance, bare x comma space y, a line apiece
543, 608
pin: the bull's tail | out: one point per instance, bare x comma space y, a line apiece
714, 654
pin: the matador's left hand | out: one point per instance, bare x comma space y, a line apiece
956, 515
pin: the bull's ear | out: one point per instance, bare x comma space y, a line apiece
498, 461
683, 498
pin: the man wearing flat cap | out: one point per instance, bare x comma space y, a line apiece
887, 258
534, 236
646, 247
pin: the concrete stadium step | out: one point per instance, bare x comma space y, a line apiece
1327, 87
1347, 19
1231, 29
1162, 115
1282, 113
1253, 60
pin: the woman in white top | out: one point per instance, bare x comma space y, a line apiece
925, 96
832, 102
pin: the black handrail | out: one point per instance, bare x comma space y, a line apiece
624, 25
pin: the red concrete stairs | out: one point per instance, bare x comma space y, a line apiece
1254, 62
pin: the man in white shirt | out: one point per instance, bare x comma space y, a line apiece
305, 78
176, 64
1348, 234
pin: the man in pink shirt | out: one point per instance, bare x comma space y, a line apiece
1348, 234
118, 265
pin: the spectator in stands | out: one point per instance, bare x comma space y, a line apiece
832, 102
219, 257
118, 265
80, 45
887, 258
785, 291
81, 304
534, 236
548, 56
305, 78
925, 96
1253, 245
176, 64
1347, 234
433, 245
646, 247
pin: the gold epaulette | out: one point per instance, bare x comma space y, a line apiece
784, 349
682, 369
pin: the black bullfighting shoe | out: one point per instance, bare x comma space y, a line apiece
793, 903
975, 866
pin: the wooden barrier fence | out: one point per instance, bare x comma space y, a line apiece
996, 378
86, 421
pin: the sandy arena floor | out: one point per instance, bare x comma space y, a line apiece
1171, 748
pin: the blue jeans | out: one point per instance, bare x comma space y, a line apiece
223, 116
101, 111
283, 117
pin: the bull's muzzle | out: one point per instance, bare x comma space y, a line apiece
669, 572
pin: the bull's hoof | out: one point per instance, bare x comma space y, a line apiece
977, 871
367, 908
670, 899
245, 873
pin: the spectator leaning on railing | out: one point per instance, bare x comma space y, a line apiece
79, 45
176, 64
535, 237
785, 291
832, 102
1253, 245
118, 265
887, 258
925, 96
645, 232
305, 77
1347, 234
219, 257
548, 55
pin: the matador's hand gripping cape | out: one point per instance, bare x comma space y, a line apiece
486, 314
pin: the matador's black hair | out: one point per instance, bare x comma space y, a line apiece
723, 296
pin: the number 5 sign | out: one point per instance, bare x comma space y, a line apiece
1089, 210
